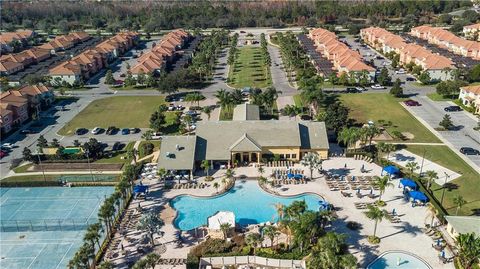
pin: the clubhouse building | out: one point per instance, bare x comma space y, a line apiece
246, 139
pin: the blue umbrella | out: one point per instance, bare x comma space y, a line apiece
443, 253
418, 195
140, 189
390, 170
406, 182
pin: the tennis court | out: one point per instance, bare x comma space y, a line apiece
44, 227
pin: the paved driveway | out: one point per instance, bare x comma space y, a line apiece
279, 77
432, 113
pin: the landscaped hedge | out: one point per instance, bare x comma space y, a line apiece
32, 183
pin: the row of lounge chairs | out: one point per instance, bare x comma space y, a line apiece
279, 164
189, 186
362, 157
289, 181
172, 261
361, 205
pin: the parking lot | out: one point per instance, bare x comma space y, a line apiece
322, 65
432, 113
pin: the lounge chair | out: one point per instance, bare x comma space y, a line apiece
359, 195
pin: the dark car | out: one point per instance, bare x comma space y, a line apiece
125, 131
379, 58
452, 108
134, 130
469, 151
111, 130
81, 131
3, 154
27, 131
352, 90
412, 103
410, 79
117, 146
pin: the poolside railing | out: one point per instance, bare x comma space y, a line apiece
46, 224
251, 260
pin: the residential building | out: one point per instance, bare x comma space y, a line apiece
6, 120
470, 96
472, 31
457, 225
342, 57
66, 72
10, 40
243, 141
17, 105
447, 40
38, 97
439, 67
9, 67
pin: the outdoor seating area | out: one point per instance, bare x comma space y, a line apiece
363, 158
288, 174
189, 186
171, 261
279, 164
149, 171
344, 183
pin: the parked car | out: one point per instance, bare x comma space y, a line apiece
305, 117
191, 113
111, 130
360, 89
3, 154
96, 130
81, 131
379, 58
125, 131
117, 146
242, 32
134, 130
26, 131
400, 71
469, 151
411, 79
352, 90
411, 102
377, 87
7, 146
452, 108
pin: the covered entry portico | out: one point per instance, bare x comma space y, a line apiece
245, 149
251, 157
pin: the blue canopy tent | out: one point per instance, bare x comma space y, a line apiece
418, 195
406, 182
140, 189
391, 170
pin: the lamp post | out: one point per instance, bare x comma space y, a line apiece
443, 191
41, 165
423, 159
88, 161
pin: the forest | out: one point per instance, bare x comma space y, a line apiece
152, 16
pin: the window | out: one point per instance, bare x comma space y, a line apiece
282, 156
287, 156
294, 156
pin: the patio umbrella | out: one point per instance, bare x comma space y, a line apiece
390, 169
393, 212
443, 254
363, 167
345, 166
438, 242
418, 195
406, 182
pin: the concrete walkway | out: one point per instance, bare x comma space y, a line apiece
402, 157
282, 102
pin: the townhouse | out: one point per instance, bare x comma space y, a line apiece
344, 59
436, 65
161, 54
447, 40
20, 37
17, 106
83, 66
472, 31
470, 96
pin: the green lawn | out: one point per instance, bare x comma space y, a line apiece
467, 185
22, 169
383, 106
156, 144
117, 156
119, 111
249, 70
129, 88
437, 97
226, 114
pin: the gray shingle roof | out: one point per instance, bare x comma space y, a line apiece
181, 158
246, 112
464, 224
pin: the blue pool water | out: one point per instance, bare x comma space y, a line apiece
389, 260
249, 203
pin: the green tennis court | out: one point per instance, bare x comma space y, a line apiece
44, 227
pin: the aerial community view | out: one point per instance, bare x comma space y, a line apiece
240, 134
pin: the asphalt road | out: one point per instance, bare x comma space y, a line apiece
279, 77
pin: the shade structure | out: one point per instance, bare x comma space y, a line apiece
406, 182
140, 189
418, 195
390, 169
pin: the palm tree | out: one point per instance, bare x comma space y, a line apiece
431, 176
207, 110
162, 173
432, 212
225, 228
468, 246
194, 97
261, 170
349, 136
224, 183
386, 148
229, 174
93, 234
132, 154
253, 240
270, 232
371, 132
206, 166
376, 214
151, 223
411, 166
151, 259
381, 183
312, 161
280, 208
216, 185
140, 264
459, 202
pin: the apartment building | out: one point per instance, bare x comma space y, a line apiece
91, 61
472, 31
436, 65
447, 40
162, 53
20, 37
470, 96
342, 57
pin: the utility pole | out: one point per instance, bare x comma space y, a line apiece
423, 159
443, 191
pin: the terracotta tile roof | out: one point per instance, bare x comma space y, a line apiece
4, 111
38, 52
33, 89
8, 37
7, 66
66, 68
151, 55
9, 97
472, 26
146, 66
473, 89
82, 36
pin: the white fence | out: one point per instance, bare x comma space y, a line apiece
250, 260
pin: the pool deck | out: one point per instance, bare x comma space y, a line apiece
404, 236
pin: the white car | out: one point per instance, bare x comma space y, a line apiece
96, 130
7, 146
360, 89
377, 87
400, 71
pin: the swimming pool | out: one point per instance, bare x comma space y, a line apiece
249, 203
404, 260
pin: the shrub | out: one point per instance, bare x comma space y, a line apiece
373, 239
353, 225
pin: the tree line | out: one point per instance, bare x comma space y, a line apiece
155, 16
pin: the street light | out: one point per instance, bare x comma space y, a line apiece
445, 183
423, 159
41, 165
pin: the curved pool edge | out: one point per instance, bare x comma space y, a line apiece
225, 193
399, 251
